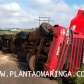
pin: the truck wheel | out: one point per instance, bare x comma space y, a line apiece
31, 62
45, 28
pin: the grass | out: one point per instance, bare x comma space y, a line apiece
2, 32
80, 80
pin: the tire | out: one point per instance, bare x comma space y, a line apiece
40, 61
45, 29
31, 62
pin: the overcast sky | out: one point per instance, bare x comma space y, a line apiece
23, 13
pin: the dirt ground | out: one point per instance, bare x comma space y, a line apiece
8, 64
27, 81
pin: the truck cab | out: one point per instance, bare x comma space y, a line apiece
67, 47
77, 24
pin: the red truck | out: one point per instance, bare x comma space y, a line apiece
66, 50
